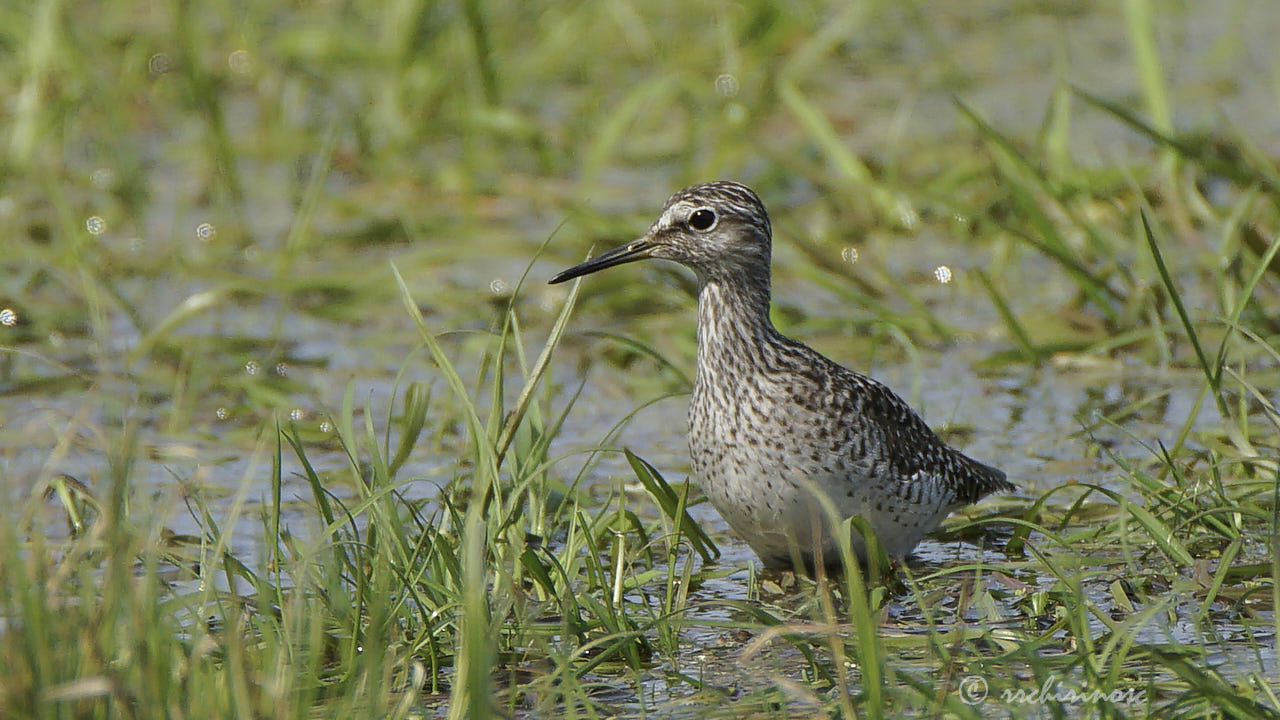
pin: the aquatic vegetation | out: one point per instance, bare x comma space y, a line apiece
292, 426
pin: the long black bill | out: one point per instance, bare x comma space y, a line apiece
632, 251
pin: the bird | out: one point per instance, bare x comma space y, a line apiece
785, 443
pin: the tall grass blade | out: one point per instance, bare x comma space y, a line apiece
1019, 334
1242, 301
849, 168
671, 505
1209, 155
1141, 24
472, 695
417, 401
535, 376
1176, 298
1047, 238
486, 455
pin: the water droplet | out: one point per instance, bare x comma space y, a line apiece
326, 426
498, 287
251, 367
240, 62
103, 178
95, 225
727, 85
297, 414
8, 317
206, 232
222, 413
943, 274
159, 64
281, 369
849, 255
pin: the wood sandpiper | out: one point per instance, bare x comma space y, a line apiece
773, 424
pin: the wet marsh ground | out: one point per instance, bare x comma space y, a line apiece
293, 427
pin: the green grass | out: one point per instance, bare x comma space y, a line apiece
293, 428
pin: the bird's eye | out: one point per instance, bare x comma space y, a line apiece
702, 219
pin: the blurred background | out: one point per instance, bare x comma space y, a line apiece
204, 207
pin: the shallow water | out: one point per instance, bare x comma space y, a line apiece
276, 348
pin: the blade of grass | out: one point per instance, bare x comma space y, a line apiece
644, 349
1246, 294
486, 455
1176, 298
417, 401
190, 307
1159, 532
1140, 22
1205, 154
540, 367
671, 504
472, 695
1047, 240
1020, 338
849, 168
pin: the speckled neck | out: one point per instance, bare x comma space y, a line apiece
734, 328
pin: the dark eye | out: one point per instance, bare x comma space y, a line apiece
702, 219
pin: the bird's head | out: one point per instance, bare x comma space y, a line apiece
714, 229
